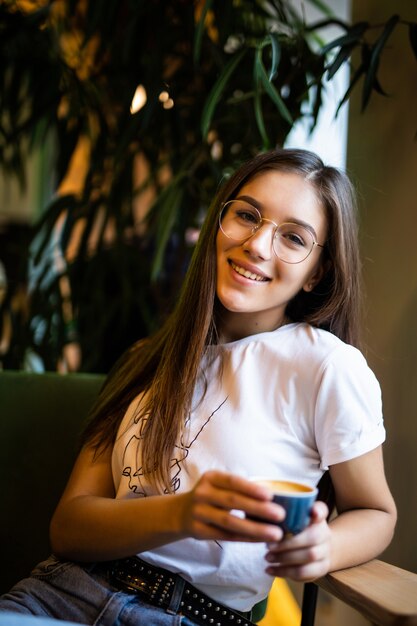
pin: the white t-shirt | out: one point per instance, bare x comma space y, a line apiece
288, 404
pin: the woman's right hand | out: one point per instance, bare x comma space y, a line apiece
215, 509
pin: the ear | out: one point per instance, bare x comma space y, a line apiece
316, 276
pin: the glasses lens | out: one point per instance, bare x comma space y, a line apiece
292, 242
239, 219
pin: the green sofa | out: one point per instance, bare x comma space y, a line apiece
41, 416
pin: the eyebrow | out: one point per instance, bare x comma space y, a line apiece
292, 220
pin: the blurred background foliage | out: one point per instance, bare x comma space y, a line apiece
149, 105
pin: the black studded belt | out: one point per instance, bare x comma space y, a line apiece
167, 590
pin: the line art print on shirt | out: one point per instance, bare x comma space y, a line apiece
136, 483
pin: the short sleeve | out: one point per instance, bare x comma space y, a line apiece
348, 413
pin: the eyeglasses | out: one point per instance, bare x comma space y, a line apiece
291, 242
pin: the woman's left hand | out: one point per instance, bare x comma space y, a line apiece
306, 556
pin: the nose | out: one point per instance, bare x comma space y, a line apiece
260, 243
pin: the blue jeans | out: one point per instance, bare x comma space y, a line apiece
68, 591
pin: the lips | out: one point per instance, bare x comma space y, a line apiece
248, 274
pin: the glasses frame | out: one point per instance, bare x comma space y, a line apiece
256, 228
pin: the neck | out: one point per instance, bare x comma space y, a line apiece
233, 326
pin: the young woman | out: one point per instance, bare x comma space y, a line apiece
255, 373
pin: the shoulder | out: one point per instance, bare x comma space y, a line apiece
324, 359
317, 338
308, 343
336, 359
343, 371
297, 348
324, 345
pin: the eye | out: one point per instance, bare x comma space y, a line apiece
294, 236
294, 239
247, 216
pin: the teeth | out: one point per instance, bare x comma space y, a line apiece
247, 274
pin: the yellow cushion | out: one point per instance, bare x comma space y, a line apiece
282, 608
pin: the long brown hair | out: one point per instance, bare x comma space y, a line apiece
166, 366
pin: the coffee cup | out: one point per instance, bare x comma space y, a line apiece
296, 498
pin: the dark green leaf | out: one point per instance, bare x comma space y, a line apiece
276, 55
374, 60
168, 212
46, 224
257, 105
353, 36
412, 33
316, 105
260, 120
342, 56
217, 91
314, 26
270, 89
378, 88
199, 32
361, 70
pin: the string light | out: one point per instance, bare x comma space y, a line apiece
139, 99
163, 96
165, 99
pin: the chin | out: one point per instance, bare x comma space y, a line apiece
232, 304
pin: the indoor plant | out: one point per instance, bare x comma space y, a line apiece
222, 80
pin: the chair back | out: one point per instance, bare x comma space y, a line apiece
41, 416
310, 590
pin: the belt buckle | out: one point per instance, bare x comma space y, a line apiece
129, 582
171, 592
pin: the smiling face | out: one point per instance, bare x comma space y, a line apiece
253, 285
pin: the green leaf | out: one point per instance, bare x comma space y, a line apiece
353, 36
199, 32
260, 120
361, 70
374, 60
270, 89
342, 56
276, 55
334, 21
168, 212
217, 91
389, 27
412, 33
316, 105
379, 89
165, 211
257, 107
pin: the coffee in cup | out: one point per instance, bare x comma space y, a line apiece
297, 500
